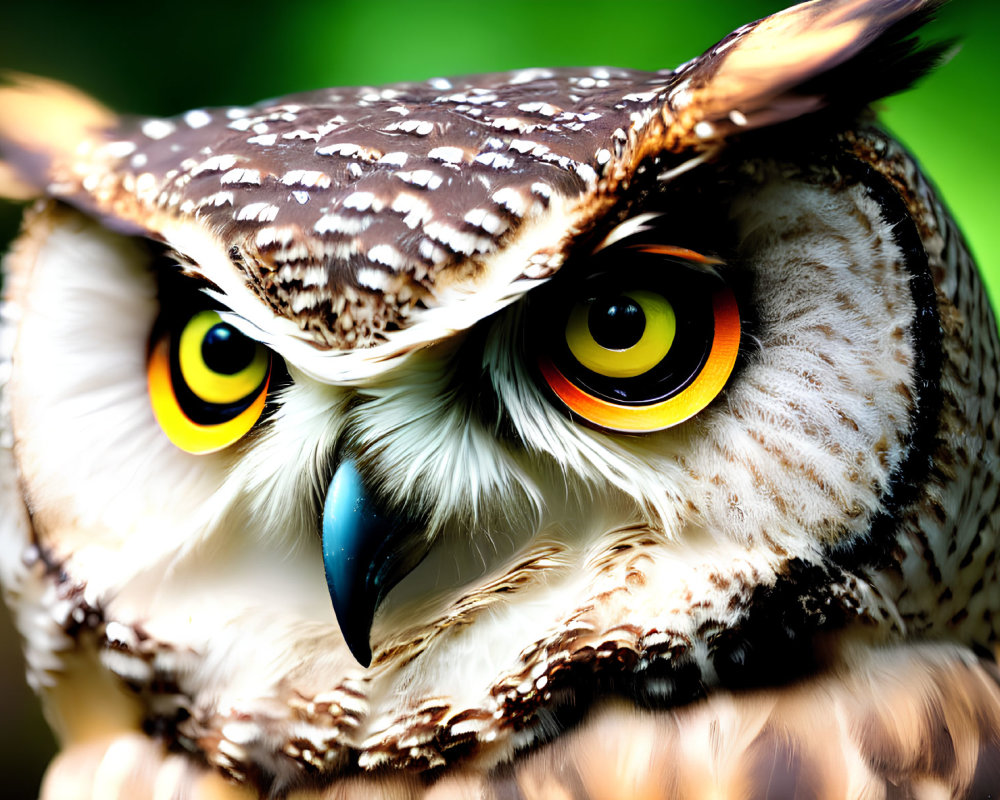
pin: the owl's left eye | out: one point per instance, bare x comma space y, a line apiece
207, 382
643, 344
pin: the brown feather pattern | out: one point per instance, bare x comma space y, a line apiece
348, 210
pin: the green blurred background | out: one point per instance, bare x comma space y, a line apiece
166, 58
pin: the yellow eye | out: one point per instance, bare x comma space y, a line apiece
218, 363
645, 357
621, 336
207, 383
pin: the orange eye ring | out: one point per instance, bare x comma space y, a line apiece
635, 418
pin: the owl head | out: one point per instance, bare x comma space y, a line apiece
396, 430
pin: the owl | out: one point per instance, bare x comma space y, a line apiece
583, 433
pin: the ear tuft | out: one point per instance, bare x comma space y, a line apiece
42, 121
825, 54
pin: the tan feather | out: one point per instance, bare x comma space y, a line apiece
42, 122
909, 721
786, 66
905, 722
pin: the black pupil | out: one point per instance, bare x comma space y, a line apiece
226, 350
616, 323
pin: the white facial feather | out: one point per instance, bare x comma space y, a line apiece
99, 409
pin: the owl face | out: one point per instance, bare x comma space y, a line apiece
400, 427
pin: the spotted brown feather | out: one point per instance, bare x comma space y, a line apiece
350, 210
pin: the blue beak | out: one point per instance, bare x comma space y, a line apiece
366, 552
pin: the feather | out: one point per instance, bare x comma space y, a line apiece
825, 55
42, 122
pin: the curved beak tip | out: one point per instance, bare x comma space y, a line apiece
366, 552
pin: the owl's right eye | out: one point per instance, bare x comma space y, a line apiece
207, 382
